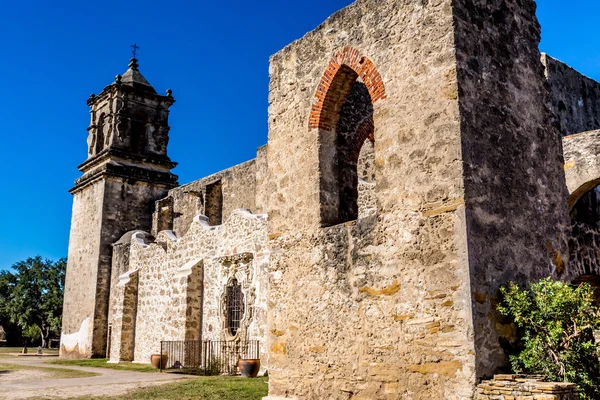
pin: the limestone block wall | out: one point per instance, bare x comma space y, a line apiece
119, 266
575, 97
103, 211
400, 303
123, 316
128, 205
517, 222
180, 283
238, 187
380, 307
80, 281
162, 306
262, 180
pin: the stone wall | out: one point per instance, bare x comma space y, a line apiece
182, 280
380, 307
128, 206
523, 387
82, 272
517, 223
575, 97
237, 187
400, 303
262, 180
584, 246
124, 300
103, 211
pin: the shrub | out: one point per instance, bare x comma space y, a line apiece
555, 324
214, 366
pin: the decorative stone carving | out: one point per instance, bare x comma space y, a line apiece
238, 267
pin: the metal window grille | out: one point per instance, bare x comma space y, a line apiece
235, 306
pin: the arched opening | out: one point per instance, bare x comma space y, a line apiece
99, 146
343, 114
584, 243
139, 139
586, 209
346, 123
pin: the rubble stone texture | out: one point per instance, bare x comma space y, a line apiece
575, 97
523, 387
414, 165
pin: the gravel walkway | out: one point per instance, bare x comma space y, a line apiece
109, 382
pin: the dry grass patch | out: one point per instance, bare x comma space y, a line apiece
6, 370
10, 351
103, 363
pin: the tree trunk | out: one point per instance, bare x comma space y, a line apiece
44, 334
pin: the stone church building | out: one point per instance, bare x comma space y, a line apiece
420, 155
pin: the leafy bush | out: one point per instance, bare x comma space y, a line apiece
555, 324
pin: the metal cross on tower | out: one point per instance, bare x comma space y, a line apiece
135, 48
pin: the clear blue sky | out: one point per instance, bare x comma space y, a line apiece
214, 55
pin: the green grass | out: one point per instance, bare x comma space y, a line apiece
102, 363
55, 373
4, 351
200, 388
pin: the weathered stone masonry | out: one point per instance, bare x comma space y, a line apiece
414, 165
400, 305
524, 387
126, 171
187, 276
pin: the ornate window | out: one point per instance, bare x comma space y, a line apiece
234, 301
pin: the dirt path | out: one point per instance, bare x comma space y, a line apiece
109, 382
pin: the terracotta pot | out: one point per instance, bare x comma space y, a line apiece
157, 360
249, 368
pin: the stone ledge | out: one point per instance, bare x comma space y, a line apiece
525, 387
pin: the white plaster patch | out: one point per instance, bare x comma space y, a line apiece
78, 339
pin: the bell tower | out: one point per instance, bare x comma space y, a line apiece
126, 171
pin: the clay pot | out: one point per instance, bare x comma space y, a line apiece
249, 368
157, 360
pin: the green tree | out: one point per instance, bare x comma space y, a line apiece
32, 295
555, 324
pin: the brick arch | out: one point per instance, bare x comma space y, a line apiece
346, 61
366, 130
